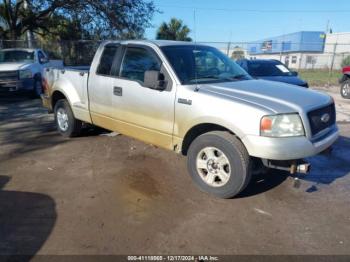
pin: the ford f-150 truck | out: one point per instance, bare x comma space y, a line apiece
21, 69
194, 100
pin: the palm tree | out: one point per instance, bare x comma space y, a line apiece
174, 30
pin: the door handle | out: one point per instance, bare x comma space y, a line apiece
117, 91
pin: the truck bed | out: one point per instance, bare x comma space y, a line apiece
74, 80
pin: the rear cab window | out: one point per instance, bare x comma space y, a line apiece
107, 60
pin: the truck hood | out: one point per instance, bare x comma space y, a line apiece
13, 66
293, 80
273, 96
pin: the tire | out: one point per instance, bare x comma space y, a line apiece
227, 156
37, 88
345, 89
65, 121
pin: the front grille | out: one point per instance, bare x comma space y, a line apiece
8, 75
318, 118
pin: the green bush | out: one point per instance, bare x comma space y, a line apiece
346, 61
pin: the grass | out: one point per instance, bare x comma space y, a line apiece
320, 77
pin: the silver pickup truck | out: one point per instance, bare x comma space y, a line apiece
194, 100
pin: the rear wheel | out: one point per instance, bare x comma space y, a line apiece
66, 123
345, 89
219, 164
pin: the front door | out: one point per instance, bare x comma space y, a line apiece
141, 112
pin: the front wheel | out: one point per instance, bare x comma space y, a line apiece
66, 123
37, 88
345, 89
219, 164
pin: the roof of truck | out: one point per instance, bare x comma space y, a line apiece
170, 42
159, 43
20, 49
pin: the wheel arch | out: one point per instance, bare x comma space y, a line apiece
57, 95
344, 78
200, 129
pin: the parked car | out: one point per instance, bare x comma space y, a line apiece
272, 70
345, 82
21, 69
194, 100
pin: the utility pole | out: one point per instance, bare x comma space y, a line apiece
29, 35
327, 27
333, 56
229, 44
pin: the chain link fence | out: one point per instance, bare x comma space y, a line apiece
73, 53
327, 63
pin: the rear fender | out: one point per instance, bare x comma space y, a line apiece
78, 107
67, 89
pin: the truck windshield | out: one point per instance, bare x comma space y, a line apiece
203, 64
11, 56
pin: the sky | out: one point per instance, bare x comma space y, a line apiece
249, 20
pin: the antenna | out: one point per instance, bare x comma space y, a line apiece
194, 26
195, 46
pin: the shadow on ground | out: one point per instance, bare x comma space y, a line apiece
264, 182
25, 126
26, 221
326, 168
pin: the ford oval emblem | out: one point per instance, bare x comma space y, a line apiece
325, 118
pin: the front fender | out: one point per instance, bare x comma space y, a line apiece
222, 122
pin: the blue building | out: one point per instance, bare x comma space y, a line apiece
304, 41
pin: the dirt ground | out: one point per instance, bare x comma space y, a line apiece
100, 194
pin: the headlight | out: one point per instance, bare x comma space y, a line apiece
284, 125
25, 74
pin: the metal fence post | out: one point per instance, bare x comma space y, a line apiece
332, 63
228, 48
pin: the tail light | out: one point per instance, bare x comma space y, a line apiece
45, 86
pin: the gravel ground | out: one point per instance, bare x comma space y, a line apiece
101, 194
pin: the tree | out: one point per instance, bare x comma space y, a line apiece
104, 18
237, 53
174, 30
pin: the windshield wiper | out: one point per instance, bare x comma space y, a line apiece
241, 76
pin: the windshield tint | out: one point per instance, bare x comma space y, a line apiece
267, 68
16, 56
202, 64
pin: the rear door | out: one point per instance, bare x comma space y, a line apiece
101, 85
141, 112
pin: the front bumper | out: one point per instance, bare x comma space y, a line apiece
17, 85
287, 148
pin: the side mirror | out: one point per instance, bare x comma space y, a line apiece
43, 60
154, 80
294, 73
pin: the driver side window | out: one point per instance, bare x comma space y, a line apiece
41, 57
136, 62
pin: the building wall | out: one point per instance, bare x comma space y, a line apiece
337, 43
304, 41
336, 48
